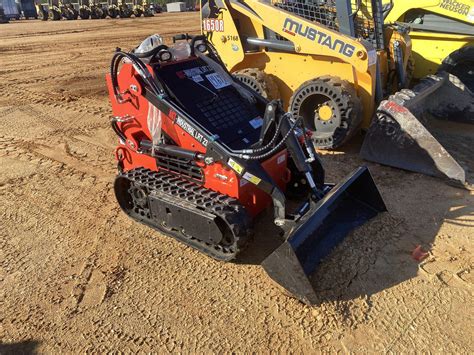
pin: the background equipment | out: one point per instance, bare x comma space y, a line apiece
10, 10
57, 9
84, 9
142, 7
42, 10
27, 8
125, 11
201, 156
442, 34
3, 18
98, 10
329, 61
332, 62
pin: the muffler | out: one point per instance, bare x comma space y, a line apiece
428, 130
348, 205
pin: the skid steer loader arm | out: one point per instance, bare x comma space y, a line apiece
428, 130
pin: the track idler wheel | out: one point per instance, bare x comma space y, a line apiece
330, 109
259, 82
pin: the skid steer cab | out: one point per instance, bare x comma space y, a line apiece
200, 156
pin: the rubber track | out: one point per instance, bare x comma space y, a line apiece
189, 195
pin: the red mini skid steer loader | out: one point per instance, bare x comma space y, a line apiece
200, 155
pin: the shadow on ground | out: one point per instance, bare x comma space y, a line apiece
23, 347
377, 255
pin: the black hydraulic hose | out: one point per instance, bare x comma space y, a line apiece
278, 146
117, 131
151, 52
267, 146
138, 65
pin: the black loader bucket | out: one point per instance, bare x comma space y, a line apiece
428, 130
348, 205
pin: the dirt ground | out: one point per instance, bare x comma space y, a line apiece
77, 275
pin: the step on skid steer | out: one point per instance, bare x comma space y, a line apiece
200, 156
333, 62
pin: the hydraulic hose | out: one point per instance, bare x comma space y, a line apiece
275, 148
139, 67
267, 146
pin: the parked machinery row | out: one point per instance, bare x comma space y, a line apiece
85, 9
73, 9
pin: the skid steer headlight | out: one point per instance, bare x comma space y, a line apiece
165, 56
201, 47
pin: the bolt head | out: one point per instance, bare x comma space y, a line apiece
279, 222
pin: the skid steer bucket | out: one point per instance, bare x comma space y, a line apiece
348, 205
428, 130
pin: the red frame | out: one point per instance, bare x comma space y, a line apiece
217, 176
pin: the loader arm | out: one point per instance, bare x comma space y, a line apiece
266, 36
307, 37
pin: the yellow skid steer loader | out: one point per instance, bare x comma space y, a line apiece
442, 34
333, 62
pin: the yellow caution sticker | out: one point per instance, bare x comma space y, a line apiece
236, 166
252, 178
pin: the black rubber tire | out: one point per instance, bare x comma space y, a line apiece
138, 12
125, 13
461, 64
68, 15
96, 13
259, 82
346, 107
43, 14
53, 15
84, 14
113, 13
105, 13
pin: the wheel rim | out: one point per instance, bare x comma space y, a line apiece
328, 110
320, 111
